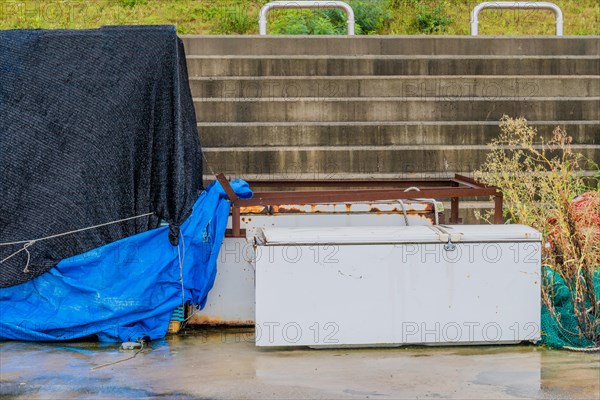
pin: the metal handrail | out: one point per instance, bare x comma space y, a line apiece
262, 19
544, 5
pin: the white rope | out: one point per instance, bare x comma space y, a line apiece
75, 231
120, 361
403, 211
20, 250
29, 243
207, 164
196, 309
26, 269
181, 259
583, 349
435, 209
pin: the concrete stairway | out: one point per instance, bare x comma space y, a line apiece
383, 107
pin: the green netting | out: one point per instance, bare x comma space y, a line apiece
561, 328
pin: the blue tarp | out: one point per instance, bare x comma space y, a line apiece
126, 290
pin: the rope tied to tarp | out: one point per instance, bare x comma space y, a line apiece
181, 259
28, 243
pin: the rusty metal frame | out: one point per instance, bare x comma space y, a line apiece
340, 191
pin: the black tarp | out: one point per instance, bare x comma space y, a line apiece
95, 126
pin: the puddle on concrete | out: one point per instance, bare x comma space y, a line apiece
220, 364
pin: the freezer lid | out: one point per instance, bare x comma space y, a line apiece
346, 235
396, 235
492, 233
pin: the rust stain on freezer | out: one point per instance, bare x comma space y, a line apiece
416, 208
360, 207
215, 320
254, 210
420, 209
287, 209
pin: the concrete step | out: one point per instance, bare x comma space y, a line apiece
390, 45
211, 65
383, 107
257, 134
377, 109
209, 176
359, 160
516, 87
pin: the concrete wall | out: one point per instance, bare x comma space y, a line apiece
383, 106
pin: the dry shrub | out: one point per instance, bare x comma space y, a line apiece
545, 187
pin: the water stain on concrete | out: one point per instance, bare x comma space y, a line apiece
225, 364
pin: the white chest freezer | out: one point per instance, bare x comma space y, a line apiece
231, 300
384, 286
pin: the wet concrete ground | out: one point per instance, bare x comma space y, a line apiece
227, 365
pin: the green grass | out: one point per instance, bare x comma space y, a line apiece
240, 16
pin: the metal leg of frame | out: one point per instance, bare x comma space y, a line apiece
454, 210
498, 215
235, 221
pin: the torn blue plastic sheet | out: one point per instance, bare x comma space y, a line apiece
126, 290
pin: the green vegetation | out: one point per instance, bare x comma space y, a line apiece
431, 19
370, 18
544, 186
241, 16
